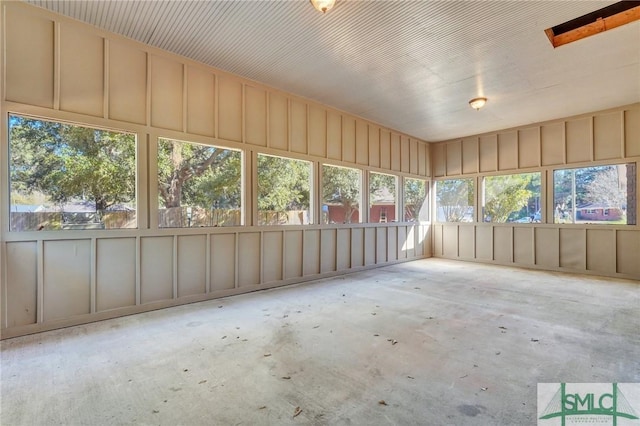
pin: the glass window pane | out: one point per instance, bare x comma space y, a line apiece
70, 177
595, 195
382, 198
283, 191
198, 185
512, 198
455, 200
416, 202
341, 194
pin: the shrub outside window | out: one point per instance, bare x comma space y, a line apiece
198, 185
598, 194
512, 198
455, 199
69, 177
284, 196
416, 202
382, 198
341, 194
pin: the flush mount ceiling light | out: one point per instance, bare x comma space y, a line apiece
323, 5
477, 103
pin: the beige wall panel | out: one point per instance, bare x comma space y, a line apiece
523, 245
115, 273
223, 261
381, 245
317, 131
488, 153
547, 247
201, 101
454, 158
407, 238
362, 142
311, 252
470, 155
422, 159
29, 77
81, 71
249, 258
428, 159
437, 240
405, 150
67, 278
298, 127
272, 256
278, 122
357, 247
529, 147
192, 264
502, 244
167, 94
293, 254
466, 242
156, 269
343, 249
607, 136
395, 152
22, 283
127, 83
632, 132
348, 139
413, 156
627, 249
439, 160
255, 116
450, 241
369, 246
374, 146
424, 240
334, 135
572, 248
601, 250
393, 248
385, 149
398, 237
229, 109
552, 144
579, 134
508, 151
484, 242
328, 245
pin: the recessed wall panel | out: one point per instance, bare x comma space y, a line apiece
127, 83
81, 71
334, 135
407, 241
255, 116
67, 278
454, 158
627, 249
311, 252
578, 140
369, 246
552, 140
437, 240
272, 255
601, 250
278, 122
466, 242
572, 248
396, 235
357, 247
22, 283
115, 273
607, 136
508, 151
547, 247
502, 244
422, 159
317, 131
249, 258
632, 132
374, 146
201, 93
156, 269
328, 247
29, 77
488, 153
405, 150
381, 245
450, 241
348, 139
166, 93
529, 147
439, 160
229, 109
362, 142
395, 152
298, 127
470, 155
413, 156
343, 249
523, 245
223, 261
484, 242
192, 264
293, 254
385, 149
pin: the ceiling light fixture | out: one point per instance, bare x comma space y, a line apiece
323, 5
477, 103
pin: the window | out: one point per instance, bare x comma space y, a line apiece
198, 185
382, 198
341, 194
512, 198
598, 194
455, 200
68, 177
283, 191
416, 204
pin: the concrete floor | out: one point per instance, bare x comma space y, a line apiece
440, 342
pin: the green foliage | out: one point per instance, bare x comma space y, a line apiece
505, 195
381, 185
455, 199
341, 186
283, 184
415, 193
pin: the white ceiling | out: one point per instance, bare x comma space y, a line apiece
409, 65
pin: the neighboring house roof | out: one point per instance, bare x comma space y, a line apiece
26, 208
591, 206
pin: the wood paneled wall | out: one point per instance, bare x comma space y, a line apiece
606, 137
